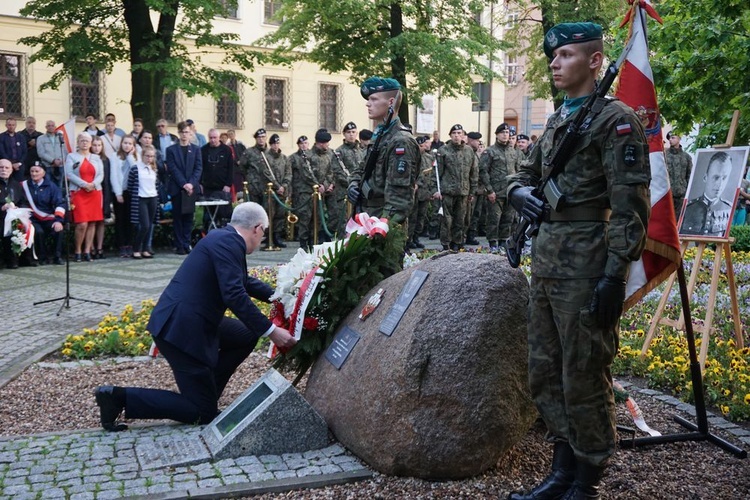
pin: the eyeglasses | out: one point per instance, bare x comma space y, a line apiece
161, 125
149, 156
260, 226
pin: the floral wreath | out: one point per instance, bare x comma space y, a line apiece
20, 229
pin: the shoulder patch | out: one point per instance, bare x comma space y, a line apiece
624, 129
629, 154
400, 151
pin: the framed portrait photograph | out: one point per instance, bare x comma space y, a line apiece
712, 192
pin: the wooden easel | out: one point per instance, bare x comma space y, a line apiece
723, 247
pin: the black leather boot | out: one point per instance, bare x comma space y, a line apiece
111, 402
557, 484
586, 485
278, 240
416, 243
471, 238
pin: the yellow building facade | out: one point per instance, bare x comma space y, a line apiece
290, 101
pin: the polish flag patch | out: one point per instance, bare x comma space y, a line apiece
400, 151
624, 129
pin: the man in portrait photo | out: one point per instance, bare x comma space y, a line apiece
709, 214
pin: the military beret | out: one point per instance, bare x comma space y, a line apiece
422, 139
672, 133
375, 84
302, 138
512, 130
322, 135
365, 134
350, 126
189, 121
502, 128
567, 33
275, 139
259, 132
523, 136
474, 135
456, 127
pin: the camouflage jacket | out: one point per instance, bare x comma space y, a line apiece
321, 161
252, 165
495, 166
352, 156
679, 165
609, 169
457, 168
282, 171
395, 173
426, 180
303, 175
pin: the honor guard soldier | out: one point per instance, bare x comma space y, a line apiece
349, 156
458, 176
495, 166
384, 187
425, 186
679, 166
277, 171
579, 263
252, 165
709, 214
303, 180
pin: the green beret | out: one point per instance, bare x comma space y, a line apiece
375, 84
567, 33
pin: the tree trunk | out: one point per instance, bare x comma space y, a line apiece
398, 62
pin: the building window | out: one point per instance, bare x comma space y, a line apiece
329, 106
169, 106
10, 85
85, 98
480, 97
226, 106
270, 9
512, 71
274, 95
230, 8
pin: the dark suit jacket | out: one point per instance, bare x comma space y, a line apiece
181, 172
212, 279
158, 139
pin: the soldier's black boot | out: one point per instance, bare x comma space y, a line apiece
560, 479
586, 485
416, 243
279, 241
471, 238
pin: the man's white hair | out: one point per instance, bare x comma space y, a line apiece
248, 215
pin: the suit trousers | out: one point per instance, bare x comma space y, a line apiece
182, 223
200, 385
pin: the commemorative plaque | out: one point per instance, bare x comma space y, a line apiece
342, 346
410, 290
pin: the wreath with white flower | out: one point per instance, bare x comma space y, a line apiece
20, 229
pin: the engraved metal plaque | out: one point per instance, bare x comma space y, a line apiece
341, 347
410, 290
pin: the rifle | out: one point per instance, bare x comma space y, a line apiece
437, 179
547, 190
364, 186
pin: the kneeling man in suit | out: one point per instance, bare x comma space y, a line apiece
202, 346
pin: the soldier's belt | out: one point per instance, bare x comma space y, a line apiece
576, 214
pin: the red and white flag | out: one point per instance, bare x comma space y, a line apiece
636, 89
68, 130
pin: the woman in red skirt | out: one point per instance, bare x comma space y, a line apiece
85, 173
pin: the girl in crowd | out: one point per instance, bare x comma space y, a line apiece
85, 173
143, 201
97, 148
126, 157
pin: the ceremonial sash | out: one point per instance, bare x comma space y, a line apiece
40, 214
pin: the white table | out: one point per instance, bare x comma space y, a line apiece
212, 208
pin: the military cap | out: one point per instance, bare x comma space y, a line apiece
502, 128
375, 84
302, 138
365, 134
275, 139
512, 130
189, 121
422, 139
350, 126
259, 132
523, 136
455, 127
567, 33
672, 133
322, 135
474, 135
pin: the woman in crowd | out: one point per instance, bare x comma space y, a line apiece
97, 148
147, 139
137, 129
143, 201
126, 157
85, 173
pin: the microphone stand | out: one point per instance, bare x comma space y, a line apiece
67, 297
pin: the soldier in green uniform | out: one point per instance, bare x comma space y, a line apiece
523, 146
478, 205
458, 174
303, 180
348, 158
388, 191
495, 166
424, 188
709, 214
580, 262
322, 160
679, 166
251, 165
277, 170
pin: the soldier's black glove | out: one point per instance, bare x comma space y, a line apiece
526, 204
353, 193
606, 303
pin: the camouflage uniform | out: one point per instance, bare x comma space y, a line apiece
282, 176
569, 352
350, 155
477, 207
508, 216
495, 165
322, 161
394, 175
679, 165
706, 217
425, 189
458, 172
303, 180
252, 165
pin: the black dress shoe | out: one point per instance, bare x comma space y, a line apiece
110, 407
58, 261
279, 242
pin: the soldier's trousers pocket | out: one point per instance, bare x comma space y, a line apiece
597, 345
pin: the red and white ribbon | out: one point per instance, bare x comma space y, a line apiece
362, 223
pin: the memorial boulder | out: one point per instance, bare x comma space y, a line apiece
446, 394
